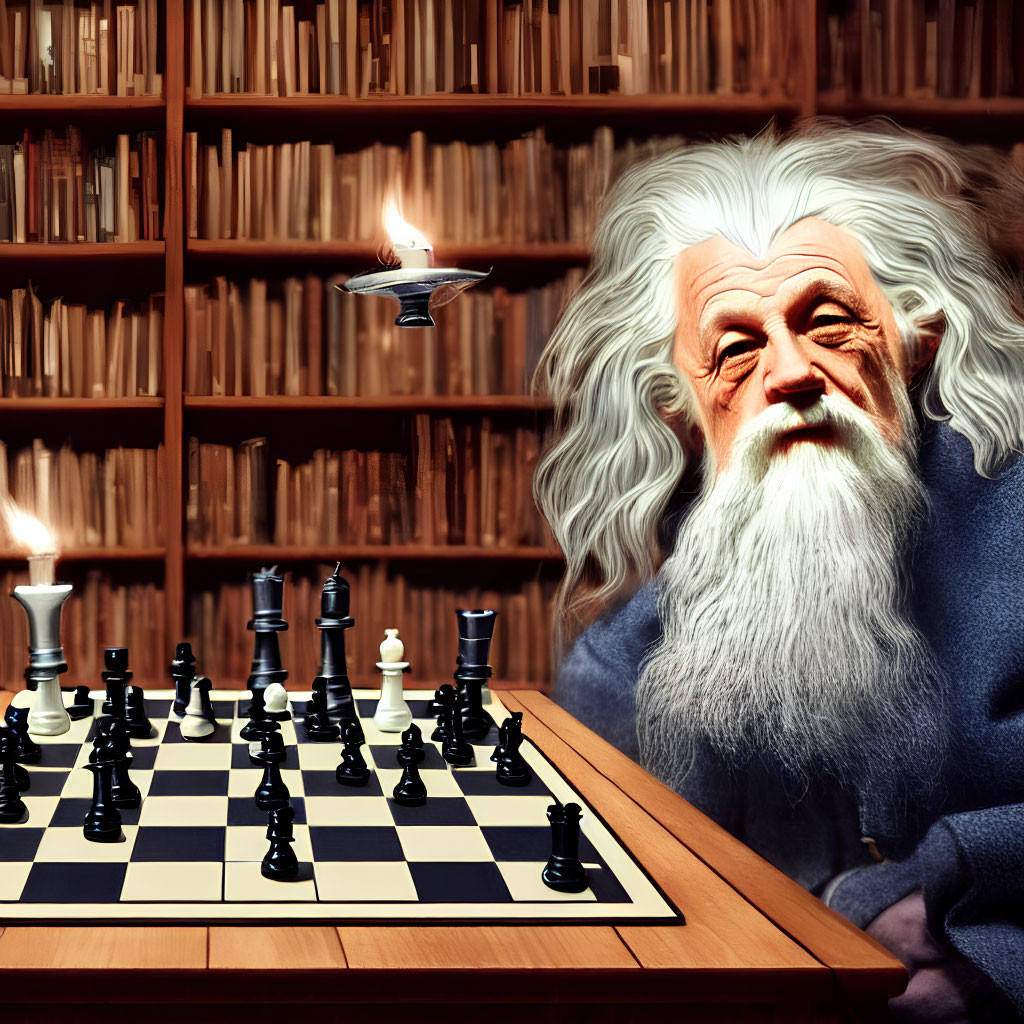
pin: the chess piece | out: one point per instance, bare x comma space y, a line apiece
272, 791
266, 623
317, 723
332, 679
270, 743
103, 819
13, 810
454, 749
436, 709
563, 871
123, 792
138, 725
352, 771
115, 677
280, 862
198, 722
26, 750
43, 604
183, 671
82, 706
392, 714
411, 751
410, 791
476, 630
512, 768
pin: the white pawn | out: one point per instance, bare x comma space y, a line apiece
275, 699
393, 714
198, 721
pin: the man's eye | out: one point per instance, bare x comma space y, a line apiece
736, 348
831, 319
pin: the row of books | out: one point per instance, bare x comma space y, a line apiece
305, 336
54, 187
381, 598
100, 612
527, 189
452, 481
419, 47
64, 47
89, 498
64, 349
919, 50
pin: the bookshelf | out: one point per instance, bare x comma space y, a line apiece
190, 572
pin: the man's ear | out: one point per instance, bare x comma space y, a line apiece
929, 336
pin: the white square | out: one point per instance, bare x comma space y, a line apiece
40, 810
244, 883
177, 881
439, 781
443, 843
184, 810
70, 845
348, 810
195, 756
510, 809
363, 881
12, 880
323, 757
524, 882
79, 783
249, 842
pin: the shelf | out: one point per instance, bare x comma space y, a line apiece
131, 112
272, 554
8, 556
357, 256
973, 117
60, 253
375, 403
14, 406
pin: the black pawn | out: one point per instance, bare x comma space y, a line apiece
123, 792
352, 771
22, 779
454, 749
563, 871
317, 723
138, 725
12, 808
272, 792
410, 791
115, 677
26, 750
270, 743
512, 769
82, 706
183, 671
280, 863
411, 751
103, 820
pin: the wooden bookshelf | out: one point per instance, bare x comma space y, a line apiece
471, 116
101, 556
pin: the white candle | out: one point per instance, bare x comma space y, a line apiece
414, 258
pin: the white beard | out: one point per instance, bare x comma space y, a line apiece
782, 609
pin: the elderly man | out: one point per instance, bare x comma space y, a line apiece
789, 404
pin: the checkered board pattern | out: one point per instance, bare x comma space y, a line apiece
193, 850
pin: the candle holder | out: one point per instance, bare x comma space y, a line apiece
43, 605
413, 287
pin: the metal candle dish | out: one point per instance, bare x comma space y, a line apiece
412, 287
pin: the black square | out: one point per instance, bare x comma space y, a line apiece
240, 757
357, 842
19, 844
385, 756
366, 708
74, 883
221, 734
485, 783
526, 842
189, 783
438, 810
419, 709
58, 755
157, 708
71, 812
144, 758
324, 783
605, 886
469, 882
46, 783
179, 843
242, 810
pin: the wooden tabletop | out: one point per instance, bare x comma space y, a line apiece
755, 946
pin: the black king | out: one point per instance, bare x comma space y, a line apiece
266, 623
476, 628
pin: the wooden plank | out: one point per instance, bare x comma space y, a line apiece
830, 937
72, 948
457, 947
275, 948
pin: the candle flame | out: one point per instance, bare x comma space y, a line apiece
403, 234
26, 530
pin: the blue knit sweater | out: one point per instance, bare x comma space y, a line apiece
969, 859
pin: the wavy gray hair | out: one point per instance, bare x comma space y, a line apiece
613, 463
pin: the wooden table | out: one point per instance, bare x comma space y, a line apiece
755, 947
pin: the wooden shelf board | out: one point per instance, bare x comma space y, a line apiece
74, 105
35, 404
60, 252
91, 555
894, 106
280, 554
368, 403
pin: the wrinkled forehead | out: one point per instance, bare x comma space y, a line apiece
809, 250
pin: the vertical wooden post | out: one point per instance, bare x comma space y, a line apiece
805, 15
174, 320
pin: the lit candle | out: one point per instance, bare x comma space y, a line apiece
410, 245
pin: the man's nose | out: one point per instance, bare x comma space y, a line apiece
790, 375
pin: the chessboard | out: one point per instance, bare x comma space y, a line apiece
192, 851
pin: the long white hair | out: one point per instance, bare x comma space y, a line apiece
612, 463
